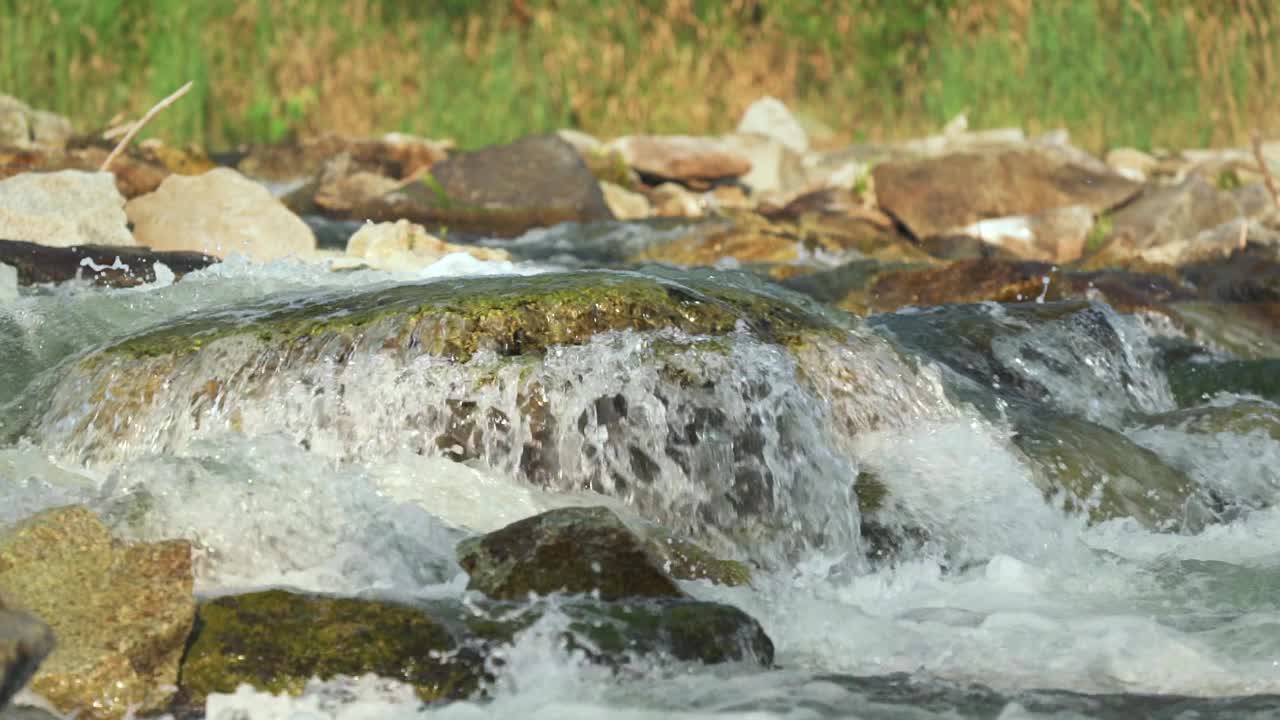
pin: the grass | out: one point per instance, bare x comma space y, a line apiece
1144, 73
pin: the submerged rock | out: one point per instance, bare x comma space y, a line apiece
935, 196
277, 640
220, 212
120, 611
1197, 379
571, 550
63, 209
109, 266
25, 641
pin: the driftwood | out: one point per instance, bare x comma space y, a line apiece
108, 266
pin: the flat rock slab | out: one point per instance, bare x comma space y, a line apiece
121, 612
937, 195
681, 157
24, 643
103, 265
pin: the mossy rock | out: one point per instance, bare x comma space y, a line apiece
685, 559
1192, 381
572, 550
1100, 472
510, 316
276, 641
1240, 418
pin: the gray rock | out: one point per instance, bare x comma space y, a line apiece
8, 282
775, 167
26, 712
24, 643
1174, 214
63, 209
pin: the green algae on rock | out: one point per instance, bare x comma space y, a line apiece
510, 316
573, 550
277, 640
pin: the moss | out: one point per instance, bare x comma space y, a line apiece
506, 315
1099, 233
687, 560
276, 641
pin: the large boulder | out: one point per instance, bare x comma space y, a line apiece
63, 209
681, 157
121, 611
220, 212
937, 195
24, 643
501, 190
277, 640
571, 550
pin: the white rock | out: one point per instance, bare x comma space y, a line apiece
220, 212
403, 246
62, 209
1056, 236
8, 283
21, 126
624, 204
775, 167
1131, 163
771, 118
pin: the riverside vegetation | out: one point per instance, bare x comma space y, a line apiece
1144, 73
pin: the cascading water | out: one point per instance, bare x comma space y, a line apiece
354, 461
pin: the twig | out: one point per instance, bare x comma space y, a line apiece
1267, 178
124, 142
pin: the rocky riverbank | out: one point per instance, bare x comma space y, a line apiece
829, 242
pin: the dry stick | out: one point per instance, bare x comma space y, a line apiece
1267, 178
124, 142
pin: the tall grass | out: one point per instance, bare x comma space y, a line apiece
1116, 72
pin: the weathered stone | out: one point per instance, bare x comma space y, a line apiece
770, 117
62, 209
359, 189
1057, 235
404, 246
121, 612
25, 641
674, 201
625, 204
21, 126
1217, 242
680, 157
585, 143
571, 550
745, 241
1133, 164
775, 167
1172, 214
107, 266
935, 196
219, 213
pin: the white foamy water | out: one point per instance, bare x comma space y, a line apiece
1006, 592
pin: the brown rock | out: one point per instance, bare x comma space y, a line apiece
680, 157
121, 612
674, 201
103, 265
934, 196
395, 155
747, 241
1057, 235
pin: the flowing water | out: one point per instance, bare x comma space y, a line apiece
1065, 539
